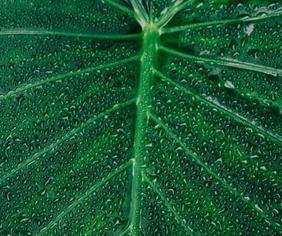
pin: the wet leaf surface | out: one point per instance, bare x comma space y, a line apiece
140, 117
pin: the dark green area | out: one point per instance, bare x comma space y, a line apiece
136, 118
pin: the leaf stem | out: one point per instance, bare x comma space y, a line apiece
148, 61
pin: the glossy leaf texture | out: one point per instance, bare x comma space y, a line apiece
153, 117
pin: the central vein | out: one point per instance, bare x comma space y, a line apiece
148, 63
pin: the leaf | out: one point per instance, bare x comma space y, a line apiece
156, 117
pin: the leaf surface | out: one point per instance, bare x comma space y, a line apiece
136, 117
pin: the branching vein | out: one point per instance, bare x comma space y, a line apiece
169, 206
223, 109
276, 13
67, 76
226, 62
69, 34
32, 159
177, 7
84, 196
140, 13
120, 7
223, 182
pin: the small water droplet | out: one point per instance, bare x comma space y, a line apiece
249, 29
229, 84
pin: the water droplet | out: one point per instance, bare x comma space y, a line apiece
249, 29
229, 84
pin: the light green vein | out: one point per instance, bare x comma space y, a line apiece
120, 7
24, 125
223, 182
168, 205
226, 62
276, 13
140, 13
67, 76
32, 159
225, 110
176, 8
80, 199
69, 34
148, 60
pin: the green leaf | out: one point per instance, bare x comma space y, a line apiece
154, 117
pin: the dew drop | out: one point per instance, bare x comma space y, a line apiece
249, 29
229, 84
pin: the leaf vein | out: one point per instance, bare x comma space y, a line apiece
221, 180
32, 159
223, 109
168, 205
175, 29
69, 34
176, 8
92, 189
226, 62
67, 76
120, 7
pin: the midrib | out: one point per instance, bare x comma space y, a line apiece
148, 62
